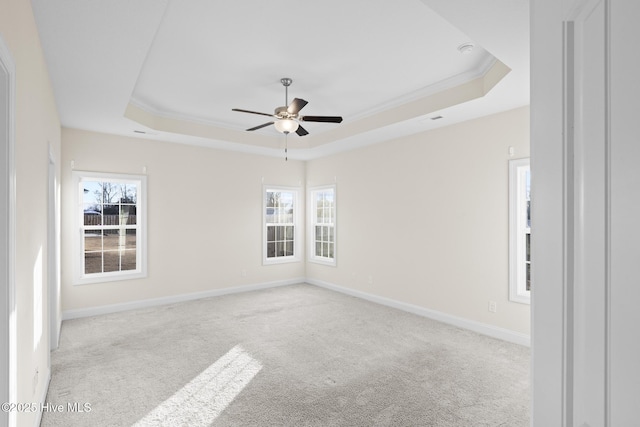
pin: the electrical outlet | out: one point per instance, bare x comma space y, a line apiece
493, 307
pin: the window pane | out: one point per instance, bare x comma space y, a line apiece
289, 248
271, 250
92, 192
528, 245
330, 234
318, 232
330, 254
110, 192
271, 234
528, 276
92, 240
279, 249
111, 240
289, 233
127, 214
129, 260
286, 199
318, 249
325, 249
270, 215
128, 193
130, 241
92, 214
92, 262
111, 261
279, 233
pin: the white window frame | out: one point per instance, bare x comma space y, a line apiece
519, 230
313, 222
80, 277
296, 224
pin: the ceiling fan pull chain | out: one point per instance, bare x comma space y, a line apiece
286, 147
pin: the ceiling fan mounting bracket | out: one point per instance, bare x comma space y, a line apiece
286, 81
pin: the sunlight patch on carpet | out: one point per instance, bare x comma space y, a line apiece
204, 398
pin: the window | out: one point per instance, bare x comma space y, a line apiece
520, 231
322, 229
280, 225
111, 244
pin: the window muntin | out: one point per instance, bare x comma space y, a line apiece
280, 225
520, 231
112, 227
322, 218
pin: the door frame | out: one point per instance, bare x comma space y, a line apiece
53, 246
7, 223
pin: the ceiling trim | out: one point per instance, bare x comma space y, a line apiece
483, 68
451, 92
457, 80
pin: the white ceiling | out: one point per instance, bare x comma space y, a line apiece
175, 68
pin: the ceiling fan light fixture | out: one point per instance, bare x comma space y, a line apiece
286, 125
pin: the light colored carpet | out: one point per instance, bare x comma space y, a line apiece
288, 356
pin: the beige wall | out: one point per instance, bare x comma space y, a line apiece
421, 220
204, 216
424, 219
37, 126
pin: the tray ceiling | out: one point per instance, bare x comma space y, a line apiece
173, 70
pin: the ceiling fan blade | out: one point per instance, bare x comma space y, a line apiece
301, 131
296, 105
252, 112
325, 119
260, 126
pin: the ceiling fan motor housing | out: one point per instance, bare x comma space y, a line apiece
284, 113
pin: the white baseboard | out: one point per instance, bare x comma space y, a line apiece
43, 399
114, 308
482, 328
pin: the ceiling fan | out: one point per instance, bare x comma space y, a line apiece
287, 118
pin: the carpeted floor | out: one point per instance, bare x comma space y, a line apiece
288, 356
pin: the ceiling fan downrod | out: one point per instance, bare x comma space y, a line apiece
286, 82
